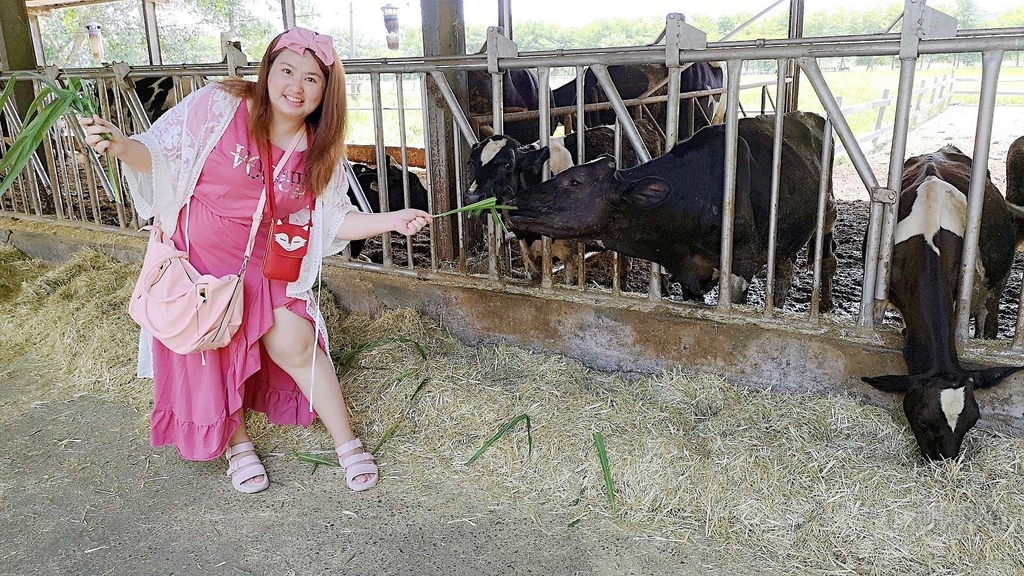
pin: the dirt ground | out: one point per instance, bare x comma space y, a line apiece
82, 492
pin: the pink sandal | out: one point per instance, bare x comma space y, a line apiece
246, 468
357, 465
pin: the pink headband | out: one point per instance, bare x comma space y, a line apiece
301, 39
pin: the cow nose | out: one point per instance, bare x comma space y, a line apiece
473, 195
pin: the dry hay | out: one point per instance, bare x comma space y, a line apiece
797, 483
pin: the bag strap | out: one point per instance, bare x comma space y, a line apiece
257, 216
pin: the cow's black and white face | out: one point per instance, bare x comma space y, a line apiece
501, 167
940, 417
941, 409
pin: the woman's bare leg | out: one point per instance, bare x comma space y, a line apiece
290, 343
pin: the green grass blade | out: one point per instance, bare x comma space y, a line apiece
344, 358
38, 104
317, 459
501, 432
31, 137
605, 468
112, 177
477, 208
6, 94
390, 431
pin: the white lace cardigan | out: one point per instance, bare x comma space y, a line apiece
180, 142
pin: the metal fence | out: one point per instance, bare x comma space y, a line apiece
67, 182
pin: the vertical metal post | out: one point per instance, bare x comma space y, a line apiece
404, 147
796, 30
498, 102
729, 189
382, 160
824, 189
580, 117
990, 62
428, 159
37, 47
886, 235
288, 13
672, 109
773, 221
505, 17
351, 30
152, 32
544, 111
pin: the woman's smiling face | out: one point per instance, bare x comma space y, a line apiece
295, 85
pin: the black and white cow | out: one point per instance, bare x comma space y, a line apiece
633, 81
501, 166
939, 397
367, 178
669, 210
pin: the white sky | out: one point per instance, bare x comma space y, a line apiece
579, 11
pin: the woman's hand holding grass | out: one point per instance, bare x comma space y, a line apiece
102, 136
477, 208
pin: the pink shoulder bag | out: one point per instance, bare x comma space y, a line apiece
183, 309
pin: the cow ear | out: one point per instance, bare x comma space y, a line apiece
893, 383
646, 192
533, 160
992, 376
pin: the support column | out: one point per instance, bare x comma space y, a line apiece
152, 32
288, 13
796, 30
16, 48
444, 34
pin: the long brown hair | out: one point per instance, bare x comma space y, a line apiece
326, 124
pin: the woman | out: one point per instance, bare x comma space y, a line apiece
199, 173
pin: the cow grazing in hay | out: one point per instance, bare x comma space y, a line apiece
669, 210
939, 397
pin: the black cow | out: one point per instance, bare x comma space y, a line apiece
367, 177
939, 394
633, 81
600, 140
669, 210
520, 92
1015, 178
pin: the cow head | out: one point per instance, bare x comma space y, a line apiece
940, 408
501, 167
577, 203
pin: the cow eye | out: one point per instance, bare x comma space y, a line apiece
575, 183
510, 166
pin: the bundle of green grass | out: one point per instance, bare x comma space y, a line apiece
791, 483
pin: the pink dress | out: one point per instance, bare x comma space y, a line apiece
198, 406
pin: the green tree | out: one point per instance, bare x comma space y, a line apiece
64, 36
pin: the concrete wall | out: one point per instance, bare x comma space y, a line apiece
621, 334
